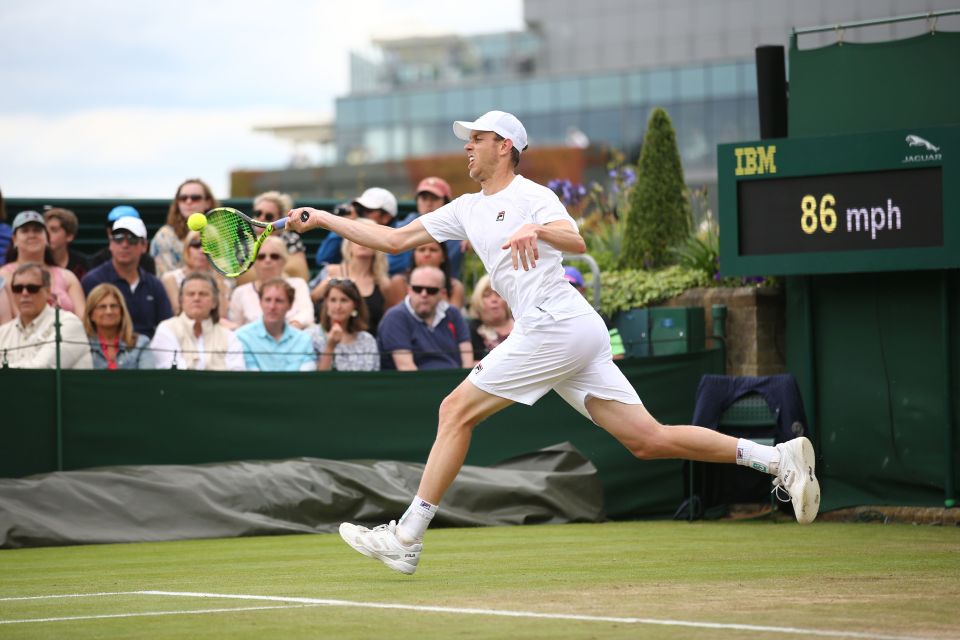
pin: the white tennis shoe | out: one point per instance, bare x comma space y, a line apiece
796, 478
381, 543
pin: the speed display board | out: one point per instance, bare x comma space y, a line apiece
881, 201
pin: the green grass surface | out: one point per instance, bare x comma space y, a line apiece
879, 580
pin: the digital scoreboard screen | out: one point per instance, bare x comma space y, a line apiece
877, 201
842, 212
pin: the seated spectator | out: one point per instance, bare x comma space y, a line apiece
29, 340
32, 244
194, 339
195, 260
62, 228
492, 321
193, 196
270, 344
375, 204
143, 292
367, 269
424, 331
113, 343
341, 339
6, 233
433, 193
434, 254
103, 255
270, 207
245, 300
329, 250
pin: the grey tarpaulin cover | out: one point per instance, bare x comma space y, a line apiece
303, 495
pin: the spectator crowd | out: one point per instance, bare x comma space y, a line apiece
154, 302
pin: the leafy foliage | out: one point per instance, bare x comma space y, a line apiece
700, 251
659, 211
631, 288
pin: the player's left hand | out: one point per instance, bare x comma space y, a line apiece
523, 247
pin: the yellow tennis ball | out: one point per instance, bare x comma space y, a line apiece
197, 221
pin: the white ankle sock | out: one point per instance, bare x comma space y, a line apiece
758, 456
415, 521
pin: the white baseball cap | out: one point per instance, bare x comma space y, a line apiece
131, 224
378, 198
502, 123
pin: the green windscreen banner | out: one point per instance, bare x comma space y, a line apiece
872, 333
853, 88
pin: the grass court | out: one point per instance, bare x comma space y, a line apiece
752, 579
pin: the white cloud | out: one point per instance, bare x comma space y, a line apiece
118, 98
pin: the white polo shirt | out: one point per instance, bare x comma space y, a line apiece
489, 221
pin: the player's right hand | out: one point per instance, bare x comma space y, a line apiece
314, 219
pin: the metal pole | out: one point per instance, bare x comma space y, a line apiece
875, 21
58, 391
949, 499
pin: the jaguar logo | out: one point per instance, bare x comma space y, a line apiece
917, 141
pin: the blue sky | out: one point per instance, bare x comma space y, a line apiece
103, 98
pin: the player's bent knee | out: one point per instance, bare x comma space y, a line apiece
455, 414
651, 442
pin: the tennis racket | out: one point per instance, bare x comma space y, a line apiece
230, 242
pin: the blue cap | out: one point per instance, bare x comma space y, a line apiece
573, 275
122, 211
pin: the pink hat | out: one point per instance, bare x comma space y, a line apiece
436, 186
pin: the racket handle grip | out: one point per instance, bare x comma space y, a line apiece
282, 222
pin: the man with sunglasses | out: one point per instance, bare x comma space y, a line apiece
143, 292
147, 262
424, 331
29, 340
520, 230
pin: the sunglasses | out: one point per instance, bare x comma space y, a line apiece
266, 216
190, 197
120, 238
418, 289
30, 288
272, 256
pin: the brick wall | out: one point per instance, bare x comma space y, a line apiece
755, 326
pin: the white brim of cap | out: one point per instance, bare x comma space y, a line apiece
462, 129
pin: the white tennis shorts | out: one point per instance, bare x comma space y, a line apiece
570, 356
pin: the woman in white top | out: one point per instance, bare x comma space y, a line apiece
245, 300
194, 339
194, 261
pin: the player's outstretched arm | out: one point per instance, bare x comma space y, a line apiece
379, 237
558, 234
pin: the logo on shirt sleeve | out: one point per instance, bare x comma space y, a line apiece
500, 216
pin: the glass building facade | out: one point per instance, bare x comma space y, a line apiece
709, 104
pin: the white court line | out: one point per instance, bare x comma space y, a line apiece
154, 613
448, 610
71, 595
547, 616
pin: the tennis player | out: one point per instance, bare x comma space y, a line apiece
520, 230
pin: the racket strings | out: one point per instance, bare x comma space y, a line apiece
229, 242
